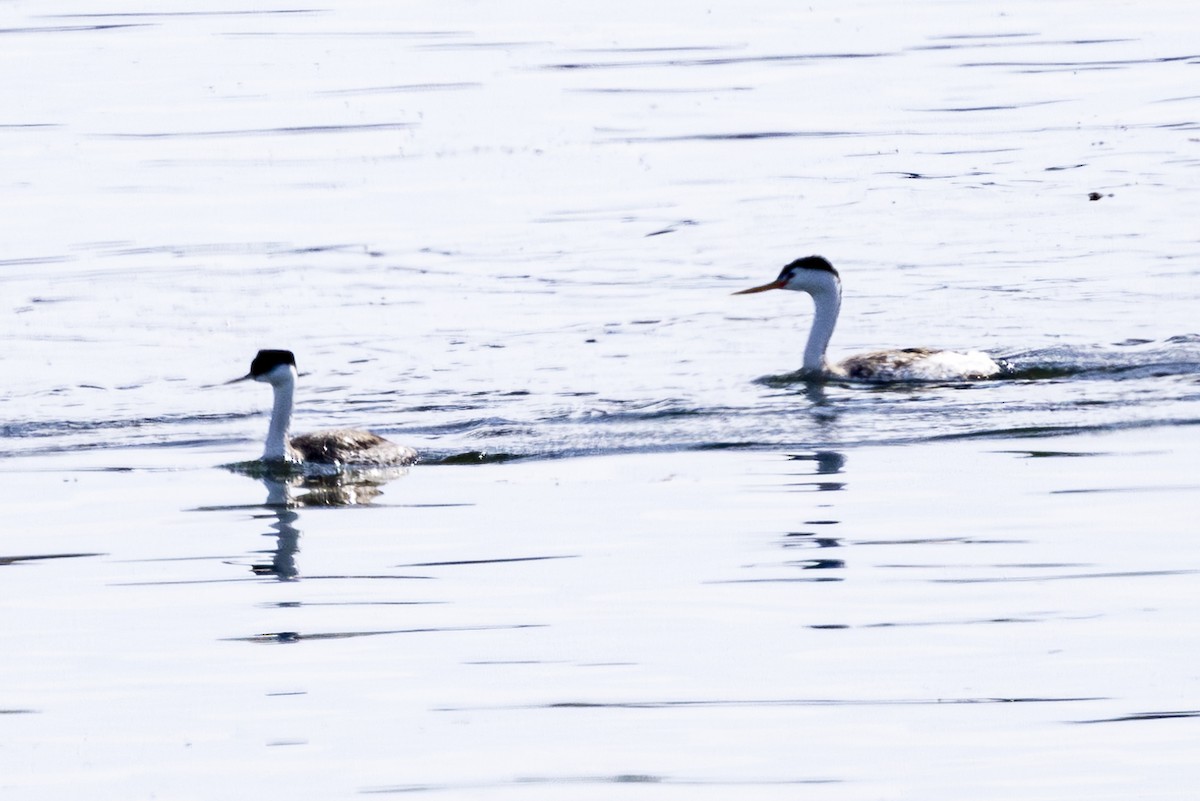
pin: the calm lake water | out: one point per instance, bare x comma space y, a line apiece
640, 559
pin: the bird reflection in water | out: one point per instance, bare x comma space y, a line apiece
287, 535
817, 533
287, 492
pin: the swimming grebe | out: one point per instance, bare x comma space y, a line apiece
817, 277
343, 446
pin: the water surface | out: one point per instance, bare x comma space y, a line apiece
509, 235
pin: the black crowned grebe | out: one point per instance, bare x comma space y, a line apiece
343, 446
817, 277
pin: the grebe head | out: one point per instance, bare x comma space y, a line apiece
810, 274
274, 367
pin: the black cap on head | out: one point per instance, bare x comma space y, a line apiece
808, 263
268, 360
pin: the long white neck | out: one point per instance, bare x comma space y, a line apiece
827, 302
281, 418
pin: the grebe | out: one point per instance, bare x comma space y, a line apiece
343, 446
817, 277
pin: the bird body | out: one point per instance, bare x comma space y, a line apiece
816, 276
343, 446
917, 364
349, 446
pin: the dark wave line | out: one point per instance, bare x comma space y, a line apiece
296, 130
771, 702
710, 62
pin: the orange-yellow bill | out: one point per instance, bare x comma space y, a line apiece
773, 285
